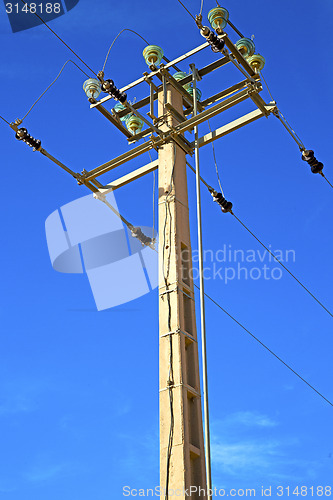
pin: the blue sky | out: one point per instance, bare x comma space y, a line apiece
78, 387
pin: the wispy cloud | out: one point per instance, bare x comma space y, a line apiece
16, 404
20, 396
249, 455
263, 455
47, 472
249, 419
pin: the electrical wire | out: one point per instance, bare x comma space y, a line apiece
268, 89
267, 348
216, 167
62, 41
154, 189
281, 264
235, 29
202, 180
289, 128
2, 118
201, 8
122, 31
181, 3
125, 221
323, 175
277, 260
34, 104
284, 120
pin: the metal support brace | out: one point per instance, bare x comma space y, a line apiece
126, 179
235, 124
214, 110
114, 120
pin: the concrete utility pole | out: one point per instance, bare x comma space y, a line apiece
182, 455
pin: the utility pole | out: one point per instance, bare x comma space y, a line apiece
182, 452
182, 456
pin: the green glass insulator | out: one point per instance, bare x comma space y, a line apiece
218, 18
134, 124
153, 55
246, 47
120, 107
92, 88
199, 93
257, 62
179, 76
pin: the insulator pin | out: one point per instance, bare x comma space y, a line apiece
226, 206
309, 157
109, 87
22, 135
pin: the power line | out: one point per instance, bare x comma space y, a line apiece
181, 3
235, 29
201, 8
154, 189
266, 347
55, 34
69, 60
122, 31
215, 161
2, 118
284, 120
274, 256
202, 180
323, 175
281, 264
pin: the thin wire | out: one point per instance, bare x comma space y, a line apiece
128, 224
231, 25
284, 267
279, 115
181, 3
34, 104
216, 167
62, 41
235, 29
112, 44
2, 118
201, 8
277, 260
266, 347
202, 180
261, 74
154, 189
323, 175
